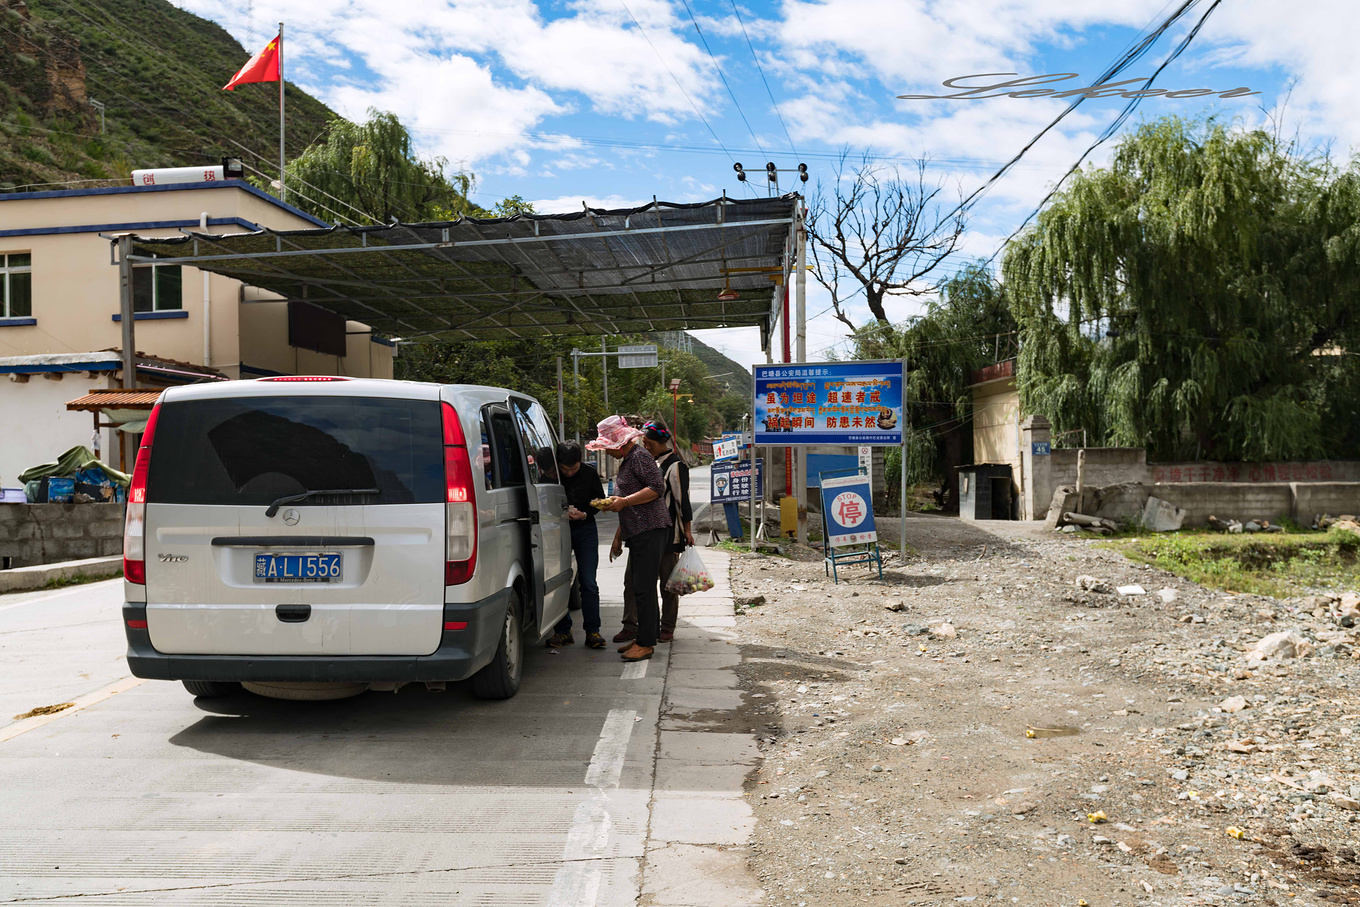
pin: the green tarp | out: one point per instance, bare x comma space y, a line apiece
71, 462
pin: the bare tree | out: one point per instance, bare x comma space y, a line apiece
885, 231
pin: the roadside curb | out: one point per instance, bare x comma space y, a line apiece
697, 843
27, 579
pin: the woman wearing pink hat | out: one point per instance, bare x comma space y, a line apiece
644, 524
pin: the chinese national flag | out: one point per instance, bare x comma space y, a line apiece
263, 67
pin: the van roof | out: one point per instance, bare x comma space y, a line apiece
334, 386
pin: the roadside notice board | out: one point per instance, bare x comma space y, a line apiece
743, 441
848, 505
726, 449
730, 483
844, 403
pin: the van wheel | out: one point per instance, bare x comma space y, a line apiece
211, 688
500, 679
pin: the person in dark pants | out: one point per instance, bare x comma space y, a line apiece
582, 484
675, 473
644, 524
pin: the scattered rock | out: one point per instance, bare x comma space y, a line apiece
1167, 595
1087, 583
895, 606
1162, 516
1281, 645
946, 630
1131, 589
1233, 704
1343, 801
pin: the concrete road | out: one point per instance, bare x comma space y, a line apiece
699, 482
142, 794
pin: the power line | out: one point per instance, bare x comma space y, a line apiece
697, 112
730, 93
763, 79
1123, 62
1109, 130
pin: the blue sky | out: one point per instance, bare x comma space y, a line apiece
612, 102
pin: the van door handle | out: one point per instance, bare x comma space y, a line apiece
293, 614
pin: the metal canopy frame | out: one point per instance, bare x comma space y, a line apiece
660, 267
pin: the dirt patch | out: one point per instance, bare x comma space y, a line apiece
45, 710
902, 763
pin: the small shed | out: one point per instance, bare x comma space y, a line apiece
126, 409
986, 492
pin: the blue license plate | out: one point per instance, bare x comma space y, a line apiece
297, 568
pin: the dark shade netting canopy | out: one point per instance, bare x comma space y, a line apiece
660, 267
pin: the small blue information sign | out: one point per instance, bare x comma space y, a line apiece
1040, 448
730, 483
848, 505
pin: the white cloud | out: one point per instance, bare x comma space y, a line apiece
566, 204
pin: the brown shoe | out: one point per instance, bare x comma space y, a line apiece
628, 645
638, 653
666, 636
625, 635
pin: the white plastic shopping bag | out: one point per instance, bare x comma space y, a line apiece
689, 575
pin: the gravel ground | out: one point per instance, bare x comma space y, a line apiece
978, 728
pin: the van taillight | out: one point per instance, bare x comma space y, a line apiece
134, 521
460, 503
303, 378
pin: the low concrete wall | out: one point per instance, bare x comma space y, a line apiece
1274, 501
1291, 471
33, 534
1104, 466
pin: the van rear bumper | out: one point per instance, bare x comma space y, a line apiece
461, 654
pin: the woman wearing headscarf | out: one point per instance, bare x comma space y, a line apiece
675, 474
644, 524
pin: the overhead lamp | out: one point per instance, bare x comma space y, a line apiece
728, 294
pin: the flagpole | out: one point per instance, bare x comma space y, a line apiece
283, 192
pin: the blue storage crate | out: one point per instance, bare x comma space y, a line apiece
60, 489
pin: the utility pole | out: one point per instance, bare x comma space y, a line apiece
561, 407
576, 375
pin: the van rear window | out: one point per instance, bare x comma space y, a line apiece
254, 450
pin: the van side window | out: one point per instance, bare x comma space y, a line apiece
483, 462
504, 453
538, 444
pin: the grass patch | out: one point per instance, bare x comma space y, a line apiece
1278, 565
61, 582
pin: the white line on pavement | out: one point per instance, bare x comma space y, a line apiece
577, 883
10, 731
635, 671
84, 587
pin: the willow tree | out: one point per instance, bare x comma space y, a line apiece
370, 172
1198, 297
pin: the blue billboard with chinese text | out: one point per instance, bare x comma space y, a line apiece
857, 403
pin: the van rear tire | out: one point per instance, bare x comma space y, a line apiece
210, 689
500, 679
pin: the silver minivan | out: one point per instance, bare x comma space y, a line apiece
317, 530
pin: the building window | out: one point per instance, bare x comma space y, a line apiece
157, 288
17, 272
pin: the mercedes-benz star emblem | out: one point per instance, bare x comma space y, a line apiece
291, 517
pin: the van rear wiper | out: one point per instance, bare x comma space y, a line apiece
292, 498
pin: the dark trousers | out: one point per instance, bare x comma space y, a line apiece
670, 602
585, 544
644, 562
